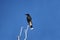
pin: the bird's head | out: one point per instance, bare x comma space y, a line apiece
27, 14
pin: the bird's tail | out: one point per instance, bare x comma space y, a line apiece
31, 28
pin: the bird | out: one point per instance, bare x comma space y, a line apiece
29, 20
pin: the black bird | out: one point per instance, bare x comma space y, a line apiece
29, 20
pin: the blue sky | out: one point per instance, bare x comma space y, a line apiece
45, 16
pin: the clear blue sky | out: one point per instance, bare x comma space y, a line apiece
45, 16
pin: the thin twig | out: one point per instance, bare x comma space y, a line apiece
26, 32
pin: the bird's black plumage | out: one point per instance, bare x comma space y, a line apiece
29, 20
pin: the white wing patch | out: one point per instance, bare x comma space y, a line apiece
30, 23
